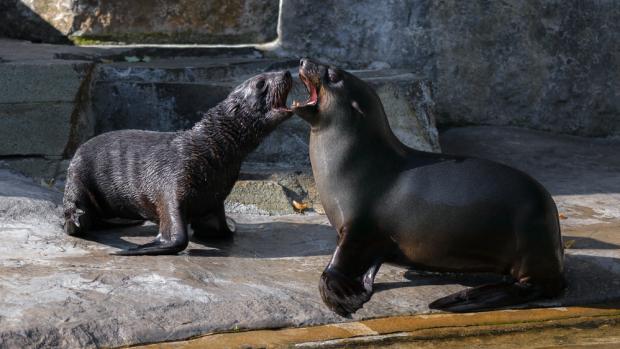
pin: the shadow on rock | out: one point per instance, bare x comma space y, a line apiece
583, 243
423, 278
591, 279
261, 240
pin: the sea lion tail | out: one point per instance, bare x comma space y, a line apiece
488, 297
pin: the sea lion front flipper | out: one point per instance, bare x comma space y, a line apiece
346, 283
172, 237
488, 297
343, 294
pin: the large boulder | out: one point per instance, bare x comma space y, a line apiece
172, 21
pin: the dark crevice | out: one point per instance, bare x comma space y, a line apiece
79, 124
27, 156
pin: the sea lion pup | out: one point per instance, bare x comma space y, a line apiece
393, 204
174, 178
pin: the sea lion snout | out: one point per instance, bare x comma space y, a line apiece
311, 71
280, 86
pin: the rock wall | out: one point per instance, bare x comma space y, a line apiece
544, 64
142, 21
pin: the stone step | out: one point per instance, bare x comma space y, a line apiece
190, 69
38, 101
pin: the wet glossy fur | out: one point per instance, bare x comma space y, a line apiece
393, 204
173, 178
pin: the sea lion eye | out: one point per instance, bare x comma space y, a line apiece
333, 76
260, 84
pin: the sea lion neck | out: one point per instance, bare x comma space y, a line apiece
231, 133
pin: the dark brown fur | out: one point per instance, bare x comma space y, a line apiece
393, 204
173, 178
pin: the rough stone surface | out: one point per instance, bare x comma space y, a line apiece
43, 169
35, 129
41, 81
174, 21
60, 291
42, 106
549, 65
20, 22
267, 197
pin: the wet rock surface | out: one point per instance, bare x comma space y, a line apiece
61, 291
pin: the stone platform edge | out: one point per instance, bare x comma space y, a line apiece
395, 329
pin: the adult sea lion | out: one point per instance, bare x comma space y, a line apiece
174, 178
393, 204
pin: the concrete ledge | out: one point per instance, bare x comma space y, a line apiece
402, 329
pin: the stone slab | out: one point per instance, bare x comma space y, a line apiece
190, 69
549, 65
162, 106
48, 170
41, 81
41, 129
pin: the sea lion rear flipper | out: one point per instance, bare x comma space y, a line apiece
155, 247
488, 297
172, 237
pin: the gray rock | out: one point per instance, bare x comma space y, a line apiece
44, 107
183, 21
262, 196
23, 200
160, 106
549, 65
35, 128
42, 81
46, 169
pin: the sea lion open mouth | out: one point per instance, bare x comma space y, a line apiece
280, 93
312, 88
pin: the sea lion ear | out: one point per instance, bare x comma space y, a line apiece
357, 108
